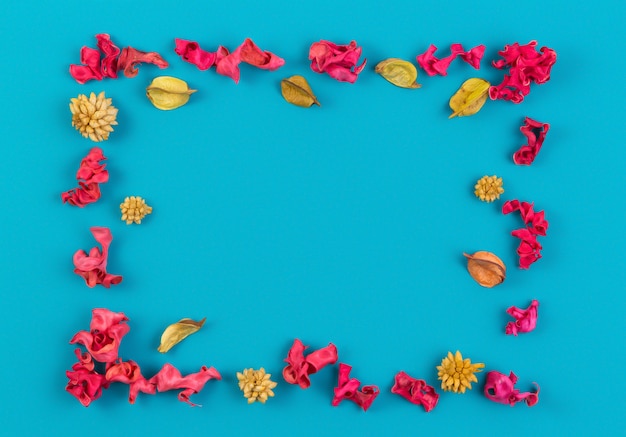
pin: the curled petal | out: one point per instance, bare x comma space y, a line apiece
253, 55
191, 52
92, 267
525, 319
85, 385
130, 58
83, 195
501, 388
348, 388
169, 378
338, 61
90, 68
108, 66
535, 133
435, 66
105, 335
299, 368
415, 391
128, 372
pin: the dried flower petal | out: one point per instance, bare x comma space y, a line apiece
501, 388
415, 391
256, 385
529, 249
92, 267
457, 374
169, 378
535, 132
177, 332
486, 268
525, 320
93, 117
399, 72
433, 65
128, 372
348, 388
105, 334
488, 188
296, 90
299, 368
130, 58
469, 98
90, 174
338, 61
134, 209
191, 52
108, 66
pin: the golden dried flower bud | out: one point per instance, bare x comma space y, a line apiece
486, 268
256, 385
93, 117
134, 209
488, 188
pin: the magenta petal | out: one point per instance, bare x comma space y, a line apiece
525, 319
92, 267
108, 66
299, 368
228, 65
191, 52
338, 61
169, 378
253, 55
501, 388
130, 58
348, 388
106, 332
415, 391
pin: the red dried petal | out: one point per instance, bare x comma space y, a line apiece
128, 372
130, 58
535, 133
85, 385
108, 67
90, 68
191, 52
348, 388
253, 55
90, 173
501, 388
415, 391
435, 66
169, 378
338, 61
299, 368
92, 267
83, 195
105, 335
525, 319
529, 249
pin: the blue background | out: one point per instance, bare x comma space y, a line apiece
342, 224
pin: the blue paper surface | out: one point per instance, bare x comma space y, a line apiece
344, 223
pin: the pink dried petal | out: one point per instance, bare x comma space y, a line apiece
427, 60
474, 56
85, 385
253, 55
108, 66
535, 133
339, 61
435, 66
501, 388
130, 58
92, 169
92, 267
299, 368
105, 335
169, 378
85, 361
228, 63
415, 391
191, 52
525, 320
83, 195
128, 372
348, 388
90, 68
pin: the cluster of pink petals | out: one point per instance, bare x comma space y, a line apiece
338, 60
501, 388
526, 65
529, 249
348, 388
525, 320
102, 343
299, 367
415, 391
90, 174
535, 132
227, 63
113, 60
433, 65
92, 267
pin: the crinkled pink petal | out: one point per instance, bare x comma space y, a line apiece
191, 52
169, 378
128, 372
83, 195
435, 66
92, 267
85, 385
90, 68
108, 66
228, 65
299, 368
529, 249
90, 173
85, 361
535, 133
525, 319
501, 388
339, 61
348, 388
474, 56
130, 58
253, 55
105, 335
415, 391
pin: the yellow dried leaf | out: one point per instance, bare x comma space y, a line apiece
167, 93
177, 332
398, 72
296, 90
470, 97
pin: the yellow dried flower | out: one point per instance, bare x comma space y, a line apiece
134, 208
457, 374
489, 188
256, 385
93, 116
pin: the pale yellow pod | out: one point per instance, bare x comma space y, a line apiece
167, 92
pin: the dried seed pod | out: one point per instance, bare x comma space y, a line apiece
93, 117
486, 268
398, 72
296, 90
470, 97
177, 332
167, 93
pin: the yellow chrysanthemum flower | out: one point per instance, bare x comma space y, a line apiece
256, 385
488, 188
457, 374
